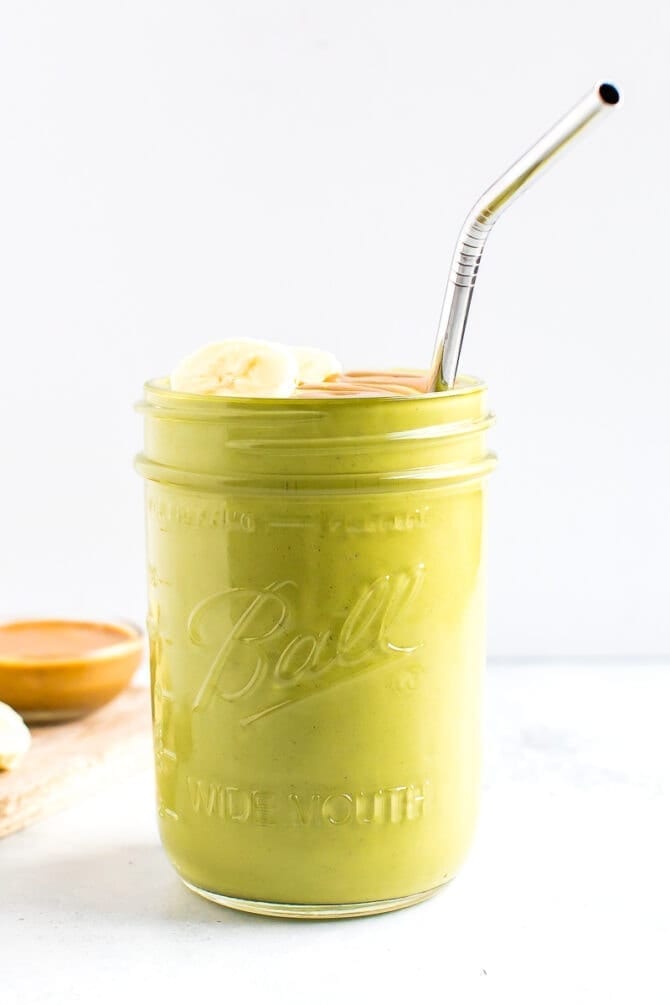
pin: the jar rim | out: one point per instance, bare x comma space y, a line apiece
308, 445
160, 392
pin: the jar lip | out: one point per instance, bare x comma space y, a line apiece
159, 389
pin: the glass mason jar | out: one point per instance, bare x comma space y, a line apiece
316, 618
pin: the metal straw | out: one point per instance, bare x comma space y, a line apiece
478, 225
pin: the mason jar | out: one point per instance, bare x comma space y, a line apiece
316, 618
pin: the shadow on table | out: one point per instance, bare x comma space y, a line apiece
134, 883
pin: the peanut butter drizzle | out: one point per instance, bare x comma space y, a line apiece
367, 384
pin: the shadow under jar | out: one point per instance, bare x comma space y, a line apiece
316, 621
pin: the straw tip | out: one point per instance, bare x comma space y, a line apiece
609, 94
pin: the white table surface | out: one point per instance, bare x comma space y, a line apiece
565, 896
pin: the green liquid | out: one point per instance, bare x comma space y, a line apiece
316, 620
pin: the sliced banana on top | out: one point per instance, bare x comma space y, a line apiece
238, 367
14, 737
315, 365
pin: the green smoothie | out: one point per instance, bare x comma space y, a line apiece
316, 616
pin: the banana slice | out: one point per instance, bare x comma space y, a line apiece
14, 738
239, 367
315, 365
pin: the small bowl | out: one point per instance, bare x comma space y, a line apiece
50, 683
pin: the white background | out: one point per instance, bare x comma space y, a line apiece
176, 172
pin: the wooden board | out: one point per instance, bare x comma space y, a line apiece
72, 759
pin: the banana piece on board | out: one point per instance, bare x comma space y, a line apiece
14, 737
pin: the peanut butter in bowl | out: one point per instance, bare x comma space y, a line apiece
53, 670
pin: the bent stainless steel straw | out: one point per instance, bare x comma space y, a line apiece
479, 223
